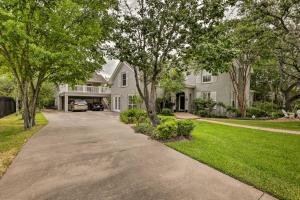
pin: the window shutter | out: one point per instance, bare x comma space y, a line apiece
126, 79
213, 96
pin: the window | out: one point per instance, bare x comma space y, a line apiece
206, 95
206, 77
209, 96
124, 79
132, 101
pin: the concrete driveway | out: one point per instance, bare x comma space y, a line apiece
93, 156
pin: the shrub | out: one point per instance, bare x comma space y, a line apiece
166, 112
166, 130
164, 119
276, 115
133, 116
202, 113
185, 127
256, 112
144, 128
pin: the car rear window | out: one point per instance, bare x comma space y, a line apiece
80, 101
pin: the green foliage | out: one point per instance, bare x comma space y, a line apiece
166, 130
203, 107
7, 86
166, 112
55, 41
144, 128
276, 115
185, 127
154, 36
47, 95
256, 112
164, 119
172, 81
252, 156
133, 116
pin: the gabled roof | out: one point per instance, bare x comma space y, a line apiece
116, 71
97, 78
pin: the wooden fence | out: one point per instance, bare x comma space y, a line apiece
7, 106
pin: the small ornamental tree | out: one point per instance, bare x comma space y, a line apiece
151, 34
45, 40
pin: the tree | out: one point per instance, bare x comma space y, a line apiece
280, 20
230, 46
152, 34
58, 41
172, 82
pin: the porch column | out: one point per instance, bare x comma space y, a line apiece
58, 103
66, 103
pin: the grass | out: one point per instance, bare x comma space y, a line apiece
288, 125
13, 136
269, 161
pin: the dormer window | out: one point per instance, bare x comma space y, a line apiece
206, 77
124, 79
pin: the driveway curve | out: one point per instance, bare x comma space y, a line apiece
91, 155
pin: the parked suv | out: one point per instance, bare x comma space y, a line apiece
97, 107
78, 105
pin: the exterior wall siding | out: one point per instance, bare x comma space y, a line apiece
123, 92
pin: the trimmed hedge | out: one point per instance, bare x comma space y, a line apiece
185, 127
144, 128
166, 130
170, 129
133, 116
166, 112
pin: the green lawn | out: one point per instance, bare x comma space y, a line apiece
13, 136
289, 125
269, 161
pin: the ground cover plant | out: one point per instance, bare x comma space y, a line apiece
268, 161
13, 136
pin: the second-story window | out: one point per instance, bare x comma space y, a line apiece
124, 79
206, 77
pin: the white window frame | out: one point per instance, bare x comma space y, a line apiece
122, 79
206, 74
210, 95
117, 103
131, 105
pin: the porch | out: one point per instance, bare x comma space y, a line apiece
91, 94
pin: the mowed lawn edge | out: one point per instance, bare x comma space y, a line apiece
275, 124
268, 161
13, 137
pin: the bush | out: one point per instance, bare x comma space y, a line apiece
166, 130
185, 127
133, 116
166, 112
256, 112
202, 113
277, 115
144, 128
164, 119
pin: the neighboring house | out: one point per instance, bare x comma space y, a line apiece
123, 90
95, 90
200, 85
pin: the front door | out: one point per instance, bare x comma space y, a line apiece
182, 102
117, 103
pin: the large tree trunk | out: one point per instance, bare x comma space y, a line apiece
151, 109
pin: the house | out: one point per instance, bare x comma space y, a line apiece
119, 92
95, 90
197, 85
